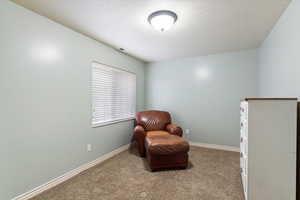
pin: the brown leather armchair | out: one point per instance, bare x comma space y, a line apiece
153, 123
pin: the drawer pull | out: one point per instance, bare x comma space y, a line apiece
241, 155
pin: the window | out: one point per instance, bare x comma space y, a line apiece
113, 94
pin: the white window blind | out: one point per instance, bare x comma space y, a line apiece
113, 94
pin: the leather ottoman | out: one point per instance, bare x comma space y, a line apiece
166, 151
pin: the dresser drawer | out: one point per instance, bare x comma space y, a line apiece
244, 173
244, 110
244, 146
245, 185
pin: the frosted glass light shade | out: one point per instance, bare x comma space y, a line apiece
162, 20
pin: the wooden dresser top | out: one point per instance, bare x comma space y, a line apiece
269, 99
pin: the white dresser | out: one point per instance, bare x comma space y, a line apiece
268, 148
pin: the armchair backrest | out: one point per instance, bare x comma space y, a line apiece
153, 120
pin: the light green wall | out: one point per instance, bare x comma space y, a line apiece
279, 60
45, 108
203, 93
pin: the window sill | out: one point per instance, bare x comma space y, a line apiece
95, 125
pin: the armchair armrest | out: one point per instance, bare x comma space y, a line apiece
139, 136
174, 129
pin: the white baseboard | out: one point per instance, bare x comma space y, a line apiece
68, 175
216, 146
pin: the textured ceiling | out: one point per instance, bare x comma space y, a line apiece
203, 27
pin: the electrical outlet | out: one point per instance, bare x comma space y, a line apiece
89, 147
187, 131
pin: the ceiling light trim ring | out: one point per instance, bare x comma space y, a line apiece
163, 12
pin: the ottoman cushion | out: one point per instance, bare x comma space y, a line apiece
163, 144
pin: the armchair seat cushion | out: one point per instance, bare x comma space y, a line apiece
155, 133
166, 144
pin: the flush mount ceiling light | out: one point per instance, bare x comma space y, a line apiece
162, 20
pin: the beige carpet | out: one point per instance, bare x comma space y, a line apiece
211, 175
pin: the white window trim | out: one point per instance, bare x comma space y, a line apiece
100, 124
111, 122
